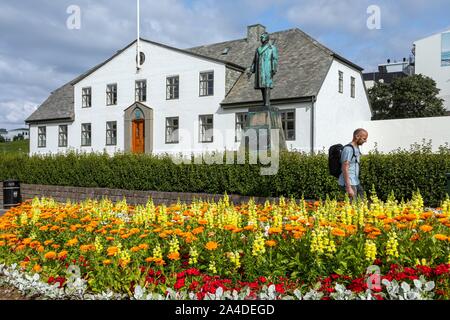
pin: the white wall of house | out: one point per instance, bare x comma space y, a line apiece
337, 114
51, 141
160, 63
428, 63
389, 135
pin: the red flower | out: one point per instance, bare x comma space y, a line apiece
193, 285
279, 288
378, 262
262, 279
179, 284
181, 274
193, 272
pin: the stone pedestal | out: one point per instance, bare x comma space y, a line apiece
258, 133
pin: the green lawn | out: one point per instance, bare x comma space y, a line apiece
21, 146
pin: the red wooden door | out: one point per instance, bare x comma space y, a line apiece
138, 144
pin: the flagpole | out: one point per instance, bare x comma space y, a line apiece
138, 51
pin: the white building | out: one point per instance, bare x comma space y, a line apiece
115, 108
9, 135
433, 60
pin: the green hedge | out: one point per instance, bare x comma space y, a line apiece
299, 174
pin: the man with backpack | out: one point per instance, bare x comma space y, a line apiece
344, 163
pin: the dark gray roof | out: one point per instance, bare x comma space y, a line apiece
303, 66
58, 106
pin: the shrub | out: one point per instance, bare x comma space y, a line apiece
299, 174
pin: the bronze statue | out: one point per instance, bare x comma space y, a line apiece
264, 66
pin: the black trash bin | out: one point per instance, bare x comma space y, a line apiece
11, 193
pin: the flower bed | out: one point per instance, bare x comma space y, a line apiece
291, 249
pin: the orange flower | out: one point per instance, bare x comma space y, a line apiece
2, 243
159, 262
426, 228
275, 230
37, 268
426, 215
271, 243
250, 227
415, 237
112, 251
202, 221
72, 242
40, 249
62, 254
440, 237
86, 248
174, 256
211, 245
143, 246
338, 232
106, 262
50, 255
135, 249
149, 259
55, 246
20, 247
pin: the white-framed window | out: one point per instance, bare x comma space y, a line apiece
206, 83
86, 134
172, 126
341, 82
62, 135
241, 120
111, 94
86, 97
172, 87
111, 133
288, 123
141, 90
42, 137
352, 87
206, 128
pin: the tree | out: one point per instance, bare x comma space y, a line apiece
410, 97
2, 138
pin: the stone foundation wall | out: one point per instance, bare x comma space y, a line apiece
62, 194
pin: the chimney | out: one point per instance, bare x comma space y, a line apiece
254, 32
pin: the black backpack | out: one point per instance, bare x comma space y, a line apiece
334, 159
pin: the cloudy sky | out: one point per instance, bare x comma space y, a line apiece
39, 53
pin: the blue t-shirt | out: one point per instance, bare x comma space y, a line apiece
353, 170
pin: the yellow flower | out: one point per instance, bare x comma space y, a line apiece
211, 245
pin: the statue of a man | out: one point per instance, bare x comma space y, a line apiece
265, 65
